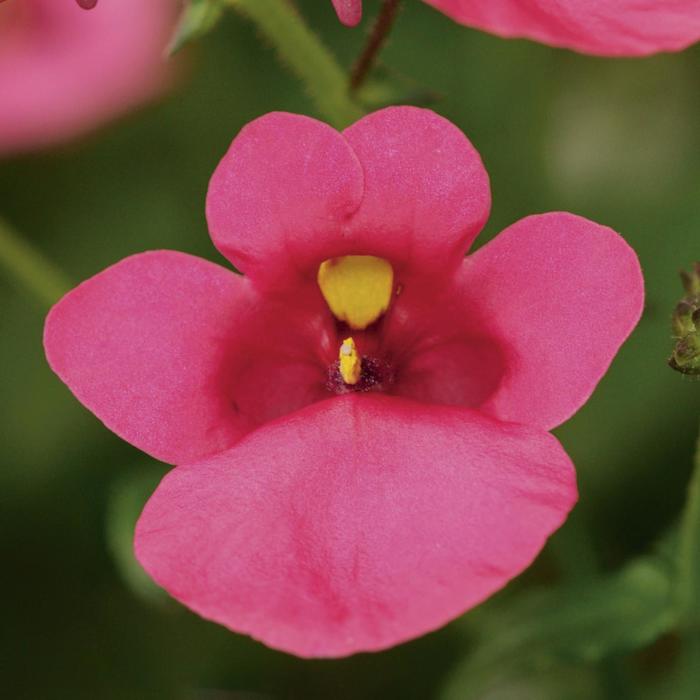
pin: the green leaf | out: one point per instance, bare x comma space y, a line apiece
128, 496
688, 576
579, 623
198, 18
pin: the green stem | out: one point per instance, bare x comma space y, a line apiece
30, 268
688, 669
305, 56
689, 552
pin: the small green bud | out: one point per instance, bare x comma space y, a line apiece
682, 319
686, 355
691, 280
685, 323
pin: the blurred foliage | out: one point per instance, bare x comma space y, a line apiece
582, 623
130, 492
198, 18
616, 141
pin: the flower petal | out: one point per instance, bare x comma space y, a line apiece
426, 190
141, 345
355, 524
619, 28
349, 11
291, 193
281, 195
63, 70
562, 294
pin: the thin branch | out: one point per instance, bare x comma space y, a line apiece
377, 38
30, 268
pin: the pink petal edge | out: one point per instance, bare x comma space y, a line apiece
598, 27
563, 294
402, 183
141, 345
355, 524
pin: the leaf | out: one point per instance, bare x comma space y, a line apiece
128, 495
579, 623
198, 18
688, 576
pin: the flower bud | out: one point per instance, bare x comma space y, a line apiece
685, 323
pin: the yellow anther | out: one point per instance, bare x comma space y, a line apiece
357, 288
350, 362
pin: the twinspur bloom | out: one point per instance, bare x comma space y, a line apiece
599, 27
361, 419
64, 71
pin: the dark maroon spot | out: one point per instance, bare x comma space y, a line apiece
376, 375
87, 4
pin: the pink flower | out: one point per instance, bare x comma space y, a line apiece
602, 27
64, 71
349, 11
348, 485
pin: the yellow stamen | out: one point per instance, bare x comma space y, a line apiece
350, 362
357, 288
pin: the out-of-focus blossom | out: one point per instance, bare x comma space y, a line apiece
602, 27
349, 11
363, 417
64, 71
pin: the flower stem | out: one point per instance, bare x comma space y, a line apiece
377, 38
30, 268
305, 56
688, 585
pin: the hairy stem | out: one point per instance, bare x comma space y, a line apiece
689, 553
305, 56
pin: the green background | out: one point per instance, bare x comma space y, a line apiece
614, 140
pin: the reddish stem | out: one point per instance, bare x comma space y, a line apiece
378, 35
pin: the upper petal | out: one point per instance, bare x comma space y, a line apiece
64, 70
402, 184
559, 294
142, 345
426, 194
281, 195
603, 27
349, 11
355, 524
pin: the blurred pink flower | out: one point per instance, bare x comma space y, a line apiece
349, 11
321, 516
64, 71
602, 27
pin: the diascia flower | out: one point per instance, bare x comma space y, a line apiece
64, 71
602, 27
362, 418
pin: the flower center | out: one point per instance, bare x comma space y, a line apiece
351, 372
357, 288
350, 363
